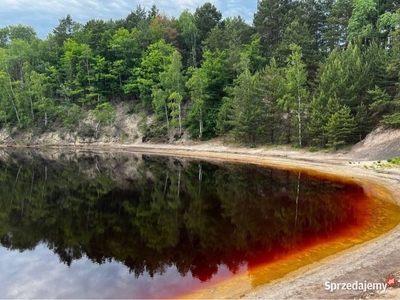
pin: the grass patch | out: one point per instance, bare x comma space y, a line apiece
391, 162
394, 161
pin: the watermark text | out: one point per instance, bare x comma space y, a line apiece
355, 286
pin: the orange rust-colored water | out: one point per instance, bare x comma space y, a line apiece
374, 212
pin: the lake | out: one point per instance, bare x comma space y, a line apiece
131, 225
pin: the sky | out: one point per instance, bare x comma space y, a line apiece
44, 15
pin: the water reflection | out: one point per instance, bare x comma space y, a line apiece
170, 224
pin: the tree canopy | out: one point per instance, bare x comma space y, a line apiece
300, 69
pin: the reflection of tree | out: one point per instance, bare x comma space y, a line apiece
194, 215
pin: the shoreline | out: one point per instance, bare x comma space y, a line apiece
373, 260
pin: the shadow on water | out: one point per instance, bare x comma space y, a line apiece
156, 214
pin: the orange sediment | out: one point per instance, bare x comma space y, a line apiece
377, 213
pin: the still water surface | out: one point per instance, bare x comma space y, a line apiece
92, 225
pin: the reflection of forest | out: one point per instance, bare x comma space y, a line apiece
191, 214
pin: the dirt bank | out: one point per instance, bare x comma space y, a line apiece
372, 261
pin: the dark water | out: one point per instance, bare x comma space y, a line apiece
136, 226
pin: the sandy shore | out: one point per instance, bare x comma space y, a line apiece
372, 261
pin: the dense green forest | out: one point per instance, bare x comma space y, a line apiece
308, 73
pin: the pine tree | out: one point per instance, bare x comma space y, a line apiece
317, 122
385, 107
340, 128
392, 120
345, 75
270, 23
246, 108
273, 88
298, 33
362, 121
334, 33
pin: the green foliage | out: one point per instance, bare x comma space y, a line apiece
243, 111
395, 160
362, 120
270, 23
320, 112
206, 18
206, 88
234, 38
160, 105
175, 105
142, 123
370, 22
340, 128
361, 24
187, 73
345, 75
190, 35
297, 32
173, 84
169, 94
392, 120
71, 115
155, 61
273, 88
381, 101
65, 30
197, 85
254, 52
105, 113
335, 33
385, 107
295, 99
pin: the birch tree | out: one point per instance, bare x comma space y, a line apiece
297, 94
197, 86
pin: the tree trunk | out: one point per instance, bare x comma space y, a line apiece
88, 72
31, 101
299, 109
201, 125
97, 130
12, 98
15, 108
166, 113
180, 121
299, 117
